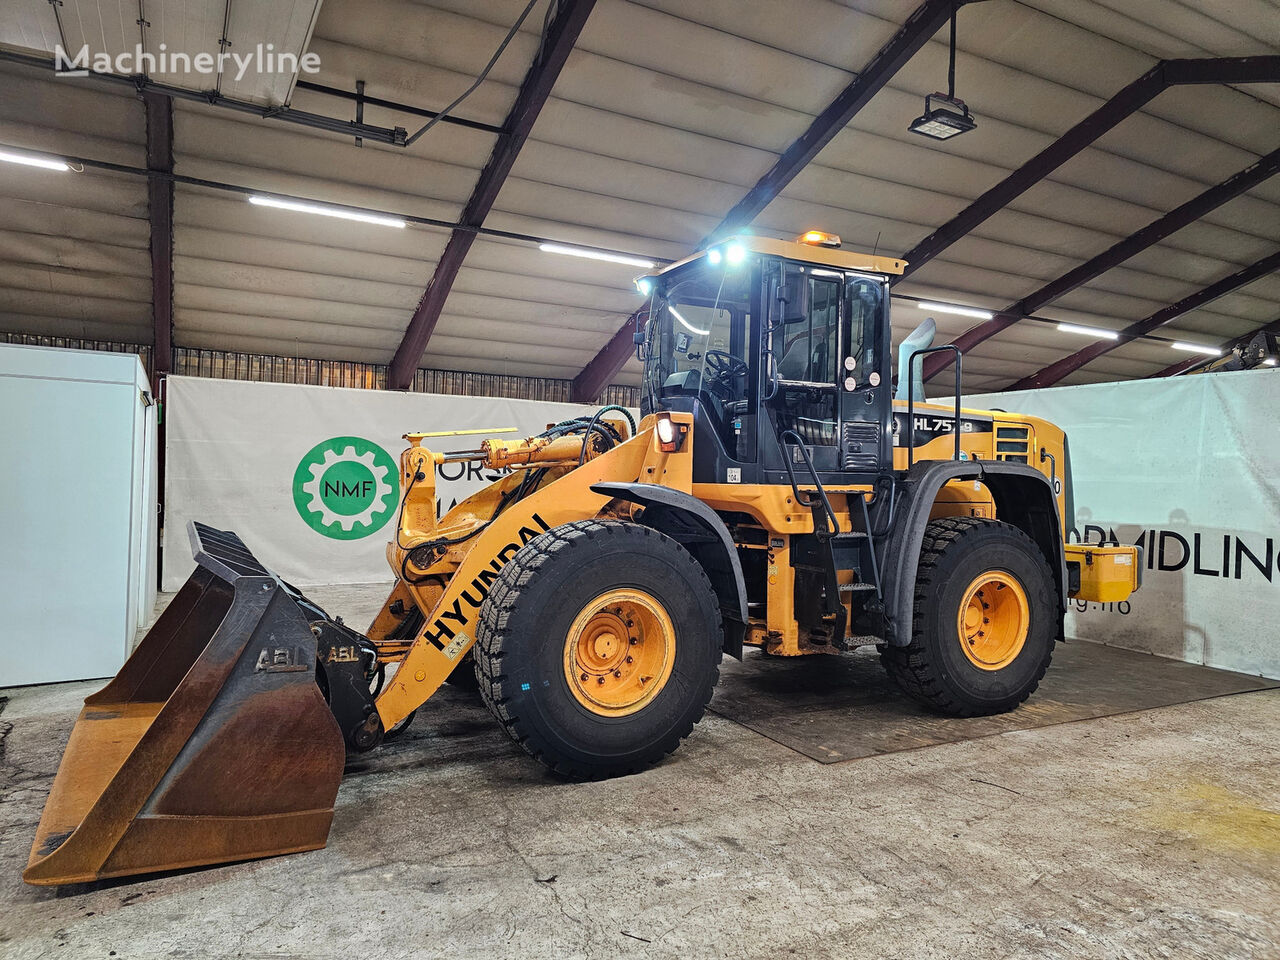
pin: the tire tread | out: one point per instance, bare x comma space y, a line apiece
494, 641
915, 671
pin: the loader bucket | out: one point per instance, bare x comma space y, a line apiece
212, 744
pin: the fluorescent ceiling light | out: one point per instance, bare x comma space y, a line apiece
687, 325
1197, 348
959, 311
326, 211
1089, 331
596, 255
48, 163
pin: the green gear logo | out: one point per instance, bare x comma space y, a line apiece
340, 488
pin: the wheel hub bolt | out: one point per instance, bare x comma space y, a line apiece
599, 679
632, 640
630, 659
584, 677
617, 673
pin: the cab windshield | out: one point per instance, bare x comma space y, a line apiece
698, 341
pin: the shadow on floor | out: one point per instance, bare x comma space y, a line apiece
844, 708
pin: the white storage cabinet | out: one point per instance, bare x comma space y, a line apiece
77, 512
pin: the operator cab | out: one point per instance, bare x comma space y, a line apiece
770, 344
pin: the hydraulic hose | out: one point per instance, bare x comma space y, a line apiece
586, 438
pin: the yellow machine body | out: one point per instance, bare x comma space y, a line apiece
451, 588
1107, 574
223, 736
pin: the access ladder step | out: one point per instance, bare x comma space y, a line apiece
867, 640
857, 588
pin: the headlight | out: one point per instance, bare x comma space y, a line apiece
670, 434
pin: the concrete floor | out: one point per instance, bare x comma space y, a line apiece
1153, 834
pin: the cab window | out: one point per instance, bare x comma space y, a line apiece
809, 357
865, 299
810, 348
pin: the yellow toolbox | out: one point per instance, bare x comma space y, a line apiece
1103, 574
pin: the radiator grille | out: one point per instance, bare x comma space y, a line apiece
860, 446
1013, 443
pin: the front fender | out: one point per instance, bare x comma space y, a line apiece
697, 527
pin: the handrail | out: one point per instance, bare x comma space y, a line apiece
893, 501
1053, 468
805, 384
871, 546
911, 399
808, 462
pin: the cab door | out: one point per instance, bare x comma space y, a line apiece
822, 371
806, 351
866, 390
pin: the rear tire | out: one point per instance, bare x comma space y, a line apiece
985, 619
598, 647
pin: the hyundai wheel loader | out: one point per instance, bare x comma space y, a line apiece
786, 489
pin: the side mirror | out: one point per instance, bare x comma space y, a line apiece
793, 293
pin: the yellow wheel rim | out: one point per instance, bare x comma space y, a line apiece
993, 620
619, 652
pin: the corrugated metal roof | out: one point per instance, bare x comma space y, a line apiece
664, 116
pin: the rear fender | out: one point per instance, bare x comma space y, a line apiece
1023, 497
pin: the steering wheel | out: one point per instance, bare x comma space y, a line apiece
725, 366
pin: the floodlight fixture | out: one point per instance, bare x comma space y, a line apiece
952, 118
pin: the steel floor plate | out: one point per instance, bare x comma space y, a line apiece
835, 708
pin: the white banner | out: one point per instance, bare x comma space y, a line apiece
308, 476
1189, 467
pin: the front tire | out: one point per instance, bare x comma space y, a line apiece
598, 647
985, 620
464, 675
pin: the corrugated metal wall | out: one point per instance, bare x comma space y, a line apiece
226, 365
78, 343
